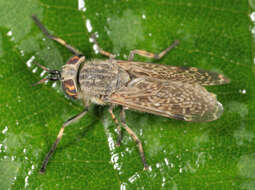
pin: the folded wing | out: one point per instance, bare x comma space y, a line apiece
173, 99
165, 72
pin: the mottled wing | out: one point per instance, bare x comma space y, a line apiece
164, 72
178, 100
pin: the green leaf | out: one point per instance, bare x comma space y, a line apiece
215, 35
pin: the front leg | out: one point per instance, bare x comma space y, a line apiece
55, 38
60, 134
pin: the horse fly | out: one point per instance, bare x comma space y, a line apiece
169, 91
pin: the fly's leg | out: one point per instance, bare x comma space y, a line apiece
134, 137
101, 51
57, 39
152, 55
60, 134
120, 134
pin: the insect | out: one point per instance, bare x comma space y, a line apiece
169, 91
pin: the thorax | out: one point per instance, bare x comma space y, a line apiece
100, 78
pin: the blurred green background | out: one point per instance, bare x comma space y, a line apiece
215, 35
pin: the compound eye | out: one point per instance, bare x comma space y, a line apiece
70, 88
73, 60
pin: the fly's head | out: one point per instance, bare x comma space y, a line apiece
68, 76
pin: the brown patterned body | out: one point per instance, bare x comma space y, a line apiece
175, 92
169, 91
